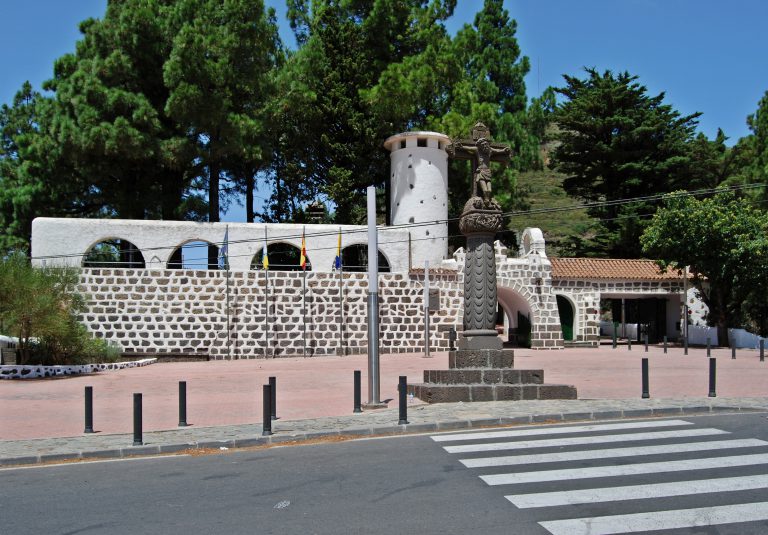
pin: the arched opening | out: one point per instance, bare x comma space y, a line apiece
518, 313
282, 257
566, 313
354, 258
114, 253
197, 254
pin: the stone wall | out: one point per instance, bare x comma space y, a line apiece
185, 311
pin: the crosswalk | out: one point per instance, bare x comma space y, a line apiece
570, 476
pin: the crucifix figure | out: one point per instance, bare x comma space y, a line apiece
482, 152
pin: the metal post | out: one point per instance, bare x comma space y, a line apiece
88, 409
182, 404
374, 387
629, 343
685, 345
273, 398
137, 432
426, 309
646, 395
266, 413
357, 392
733, 352
646, 342
709, 346
402, 388
304, 311
712, 373
762, 350
615, 328
665, 345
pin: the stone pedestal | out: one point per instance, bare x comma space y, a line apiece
486, 375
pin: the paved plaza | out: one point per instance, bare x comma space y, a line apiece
43, 420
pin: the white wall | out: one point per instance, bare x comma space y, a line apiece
62, 241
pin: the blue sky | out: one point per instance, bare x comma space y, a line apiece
707, 55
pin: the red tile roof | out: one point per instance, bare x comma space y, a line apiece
609, 268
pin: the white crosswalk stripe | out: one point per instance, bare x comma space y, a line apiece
511, 460
638, 492
605, 469
560, 431
578, 441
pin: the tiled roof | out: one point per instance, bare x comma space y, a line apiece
609, 268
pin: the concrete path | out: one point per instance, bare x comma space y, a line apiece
42, 420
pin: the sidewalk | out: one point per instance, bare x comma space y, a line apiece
42, 420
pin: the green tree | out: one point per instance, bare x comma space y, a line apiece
329, 120
617, 142
217, 73
37, 303
753, 152
724, 242
110, 118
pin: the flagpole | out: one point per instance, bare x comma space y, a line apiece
341, 301
304, 289
265, 265
229, 335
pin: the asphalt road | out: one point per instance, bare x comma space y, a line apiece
708, 473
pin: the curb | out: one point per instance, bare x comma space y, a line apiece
362, 432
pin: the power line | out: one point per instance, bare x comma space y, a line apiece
406, 226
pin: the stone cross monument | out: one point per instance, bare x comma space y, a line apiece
480, 220
481, 369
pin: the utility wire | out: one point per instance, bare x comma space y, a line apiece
505, 215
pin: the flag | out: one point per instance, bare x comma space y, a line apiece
224, 251
264, 253
337, 260
303, 259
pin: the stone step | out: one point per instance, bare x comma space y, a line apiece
443, 393
480, 376
481, 358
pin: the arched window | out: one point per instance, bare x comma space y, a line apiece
282, 257
196, 254
354, 258
114, 253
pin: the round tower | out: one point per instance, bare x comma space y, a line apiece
419, 193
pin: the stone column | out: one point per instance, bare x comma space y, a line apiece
480, 225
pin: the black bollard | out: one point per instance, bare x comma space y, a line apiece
646, 394
137, 432
712, 373
88, 409
762, 350
451, 339
402, 388
357, 392
273, 402
685, 345
709, 346
629, 343
182, 404
267, 410
733, 352
614, 337
646, 342
665, 345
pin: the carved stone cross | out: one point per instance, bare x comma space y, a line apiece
481, 151
480, 220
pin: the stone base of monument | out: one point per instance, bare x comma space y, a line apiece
486, 375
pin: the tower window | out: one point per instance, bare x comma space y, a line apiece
402, 143
421, 142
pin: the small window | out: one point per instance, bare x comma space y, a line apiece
421, 142
402, 143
